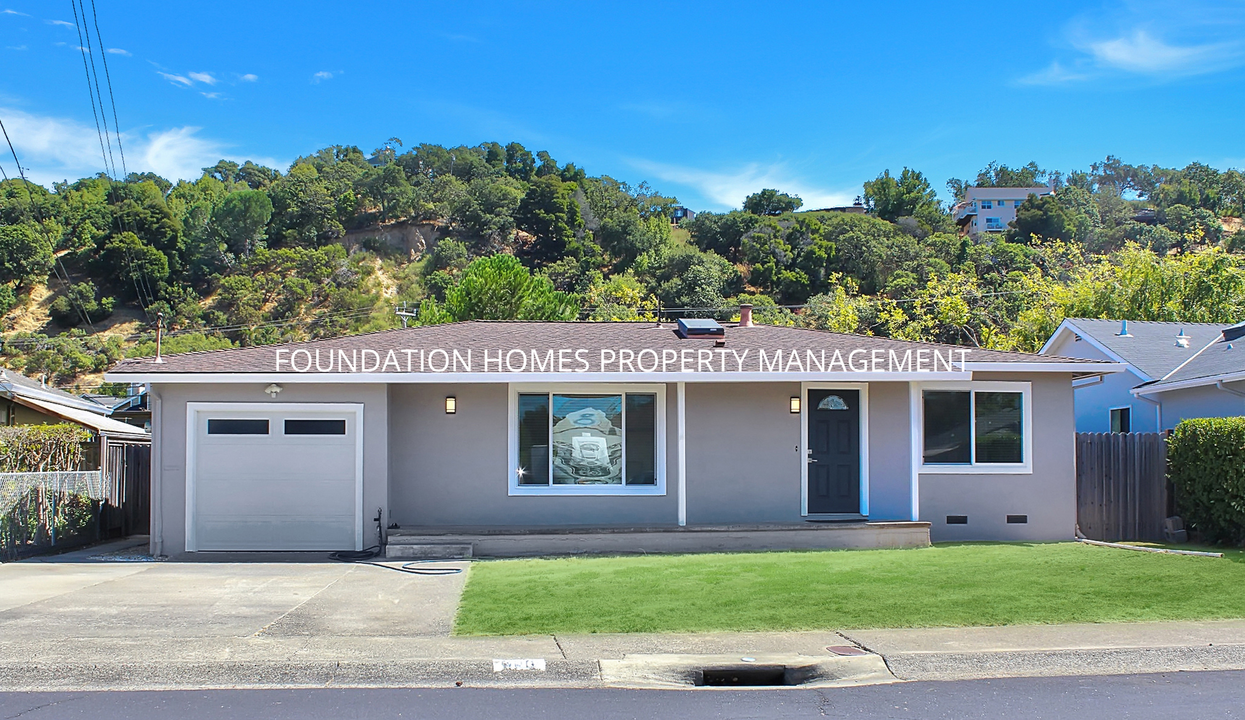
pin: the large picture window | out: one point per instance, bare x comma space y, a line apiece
984, 427
593, 440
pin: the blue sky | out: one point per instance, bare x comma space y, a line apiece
706, 101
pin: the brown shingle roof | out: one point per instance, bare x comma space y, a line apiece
479, 337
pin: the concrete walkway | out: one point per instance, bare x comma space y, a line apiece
76, 622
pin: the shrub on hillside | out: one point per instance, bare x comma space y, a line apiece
80, 302
1206, 463
7, 299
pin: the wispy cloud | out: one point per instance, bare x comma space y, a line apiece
1140, 52
205, 78
14, 47
62, 23
249, 77
1054, 74
176, 79
118, 51
54, 149
211, 95
14, 12
323, 75
727, 189
1148, 39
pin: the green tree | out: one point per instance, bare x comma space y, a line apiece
909, 195
1042, 219
25, 254
722, 233
551, 215
771, 202
500, 288
81, 301
241, 219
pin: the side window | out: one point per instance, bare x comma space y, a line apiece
1121, 420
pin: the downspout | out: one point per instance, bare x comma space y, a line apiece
1219, 384
1158, 411
156, 476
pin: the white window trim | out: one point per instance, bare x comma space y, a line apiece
864, 440
515, 489
194, 409
1026, 403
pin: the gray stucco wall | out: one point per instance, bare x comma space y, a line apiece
743, 455
1047, 496
453, 470
169, 438
890, 454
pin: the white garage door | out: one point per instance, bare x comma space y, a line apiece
269, 476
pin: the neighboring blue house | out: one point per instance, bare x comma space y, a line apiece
1174, 371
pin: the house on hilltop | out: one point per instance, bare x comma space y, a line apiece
992, 209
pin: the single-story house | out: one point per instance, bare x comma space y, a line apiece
1209, 384
24, 401
1172, 371
530, 427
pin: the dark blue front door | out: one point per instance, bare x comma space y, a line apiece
833, 451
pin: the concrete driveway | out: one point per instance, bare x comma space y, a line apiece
74, 607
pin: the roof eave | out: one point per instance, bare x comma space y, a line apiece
1161, 387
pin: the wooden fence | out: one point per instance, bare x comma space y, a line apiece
127, 489
1121, 485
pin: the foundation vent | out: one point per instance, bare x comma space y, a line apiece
1017, 519
957, 519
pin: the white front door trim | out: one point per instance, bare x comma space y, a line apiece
864, 440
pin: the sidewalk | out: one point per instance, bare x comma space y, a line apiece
83, 624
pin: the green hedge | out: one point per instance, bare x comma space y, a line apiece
1206, 463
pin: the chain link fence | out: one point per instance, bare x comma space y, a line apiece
43, 510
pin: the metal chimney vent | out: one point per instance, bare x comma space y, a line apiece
700, 327
1124, 330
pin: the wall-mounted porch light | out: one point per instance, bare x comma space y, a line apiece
273, 390
795, 404
451, 404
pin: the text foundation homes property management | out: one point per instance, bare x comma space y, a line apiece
526, 437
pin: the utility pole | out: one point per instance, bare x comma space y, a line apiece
405, 313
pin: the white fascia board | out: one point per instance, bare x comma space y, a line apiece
503, 378
1072, 328
1064, 326
1087, 368
1190, 383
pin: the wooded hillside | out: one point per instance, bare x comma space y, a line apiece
247, 254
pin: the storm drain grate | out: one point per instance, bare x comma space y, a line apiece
754, 676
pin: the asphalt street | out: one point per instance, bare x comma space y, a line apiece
1205, 695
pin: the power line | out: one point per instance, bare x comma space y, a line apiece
88, 52
89, 90
103, 56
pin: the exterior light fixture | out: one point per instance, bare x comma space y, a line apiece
272, 390
451, 404
795, 404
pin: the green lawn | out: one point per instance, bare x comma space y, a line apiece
947, 585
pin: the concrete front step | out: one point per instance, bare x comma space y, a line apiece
428, 551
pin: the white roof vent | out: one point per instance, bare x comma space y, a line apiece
1182, 340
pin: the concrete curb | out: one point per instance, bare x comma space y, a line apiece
17, 677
